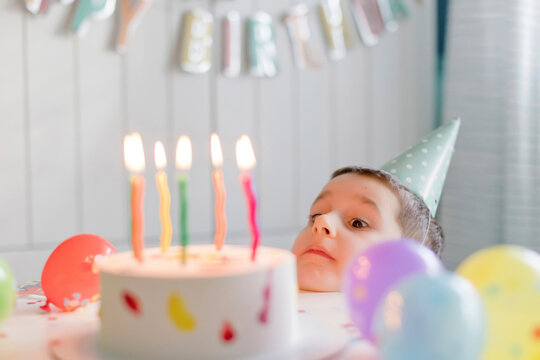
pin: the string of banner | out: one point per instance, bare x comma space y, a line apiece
371, 19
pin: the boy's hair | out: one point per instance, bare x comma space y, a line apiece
414, 216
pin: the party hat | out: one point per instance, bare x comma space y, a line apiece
422, 168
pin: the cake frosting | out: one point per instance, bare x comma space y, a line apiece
218, 305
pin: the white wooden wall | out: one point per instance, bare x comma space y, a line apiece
66, 103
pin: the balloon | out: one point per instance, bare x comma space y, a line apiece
427, 317
70, 277
7, 291
373, 271
507, 278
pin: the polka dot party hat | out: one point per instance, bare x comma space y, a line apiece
422, 168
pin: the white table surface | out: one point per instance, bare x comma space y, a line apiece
31, 333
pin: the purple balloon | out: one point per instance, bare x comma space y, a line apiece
373, 271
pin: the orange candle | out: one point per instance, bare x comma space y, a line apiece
137, 216
219, 189
164, 197
134, 160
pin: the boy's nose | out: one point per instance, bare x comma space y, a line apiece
325, 225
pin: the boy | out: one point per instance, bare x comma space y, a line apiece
359, 207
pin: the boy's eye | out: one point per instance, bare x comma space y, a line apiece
357, 223
312, 217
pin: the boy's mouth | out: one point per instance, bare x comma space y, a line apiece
318, 250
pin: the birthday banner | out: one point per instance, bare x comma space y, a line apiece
370, 18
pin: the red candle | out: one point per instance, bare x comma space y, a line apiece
245, 159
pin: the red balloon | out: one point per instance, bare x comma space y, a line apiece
70, 278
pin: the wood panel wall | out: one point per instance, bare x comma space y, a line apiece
66, 103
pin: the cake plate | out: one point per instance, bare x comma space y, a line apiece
315, 341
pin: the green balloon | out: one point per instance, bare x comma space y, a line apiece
7, 291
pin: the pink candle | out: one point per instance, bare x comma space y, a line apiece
245, 159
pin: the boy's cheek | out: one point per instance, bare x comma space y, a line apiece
301, 242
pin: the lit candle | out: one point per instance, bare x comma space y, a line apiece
183, 162
219, 189
134, 160
164, 196
245, 159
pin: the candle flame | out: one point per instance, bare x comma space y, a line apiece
134, 152
215, 148
159, 156
245, 157
183, 153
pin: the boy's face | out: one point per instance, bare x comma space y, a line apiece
351, 212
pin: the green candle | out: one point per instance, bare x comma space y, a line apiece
184, 238
183, 163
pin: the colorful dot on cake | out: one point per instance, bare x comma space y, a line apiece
132, 303
263, 314
227, 332
179, 313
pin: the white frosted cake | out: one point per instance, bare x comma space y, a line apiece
219, 305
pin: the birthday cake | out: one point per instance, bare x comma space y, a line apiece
216, 305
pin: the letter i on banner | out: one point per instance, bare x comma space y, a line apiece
196, 51
91, 10
261, 46
368, 20
335, 27
296, 20
130, 18
232, 44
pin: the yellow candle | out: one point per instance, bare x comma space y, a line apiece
219, 189
164, 197
134, 160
